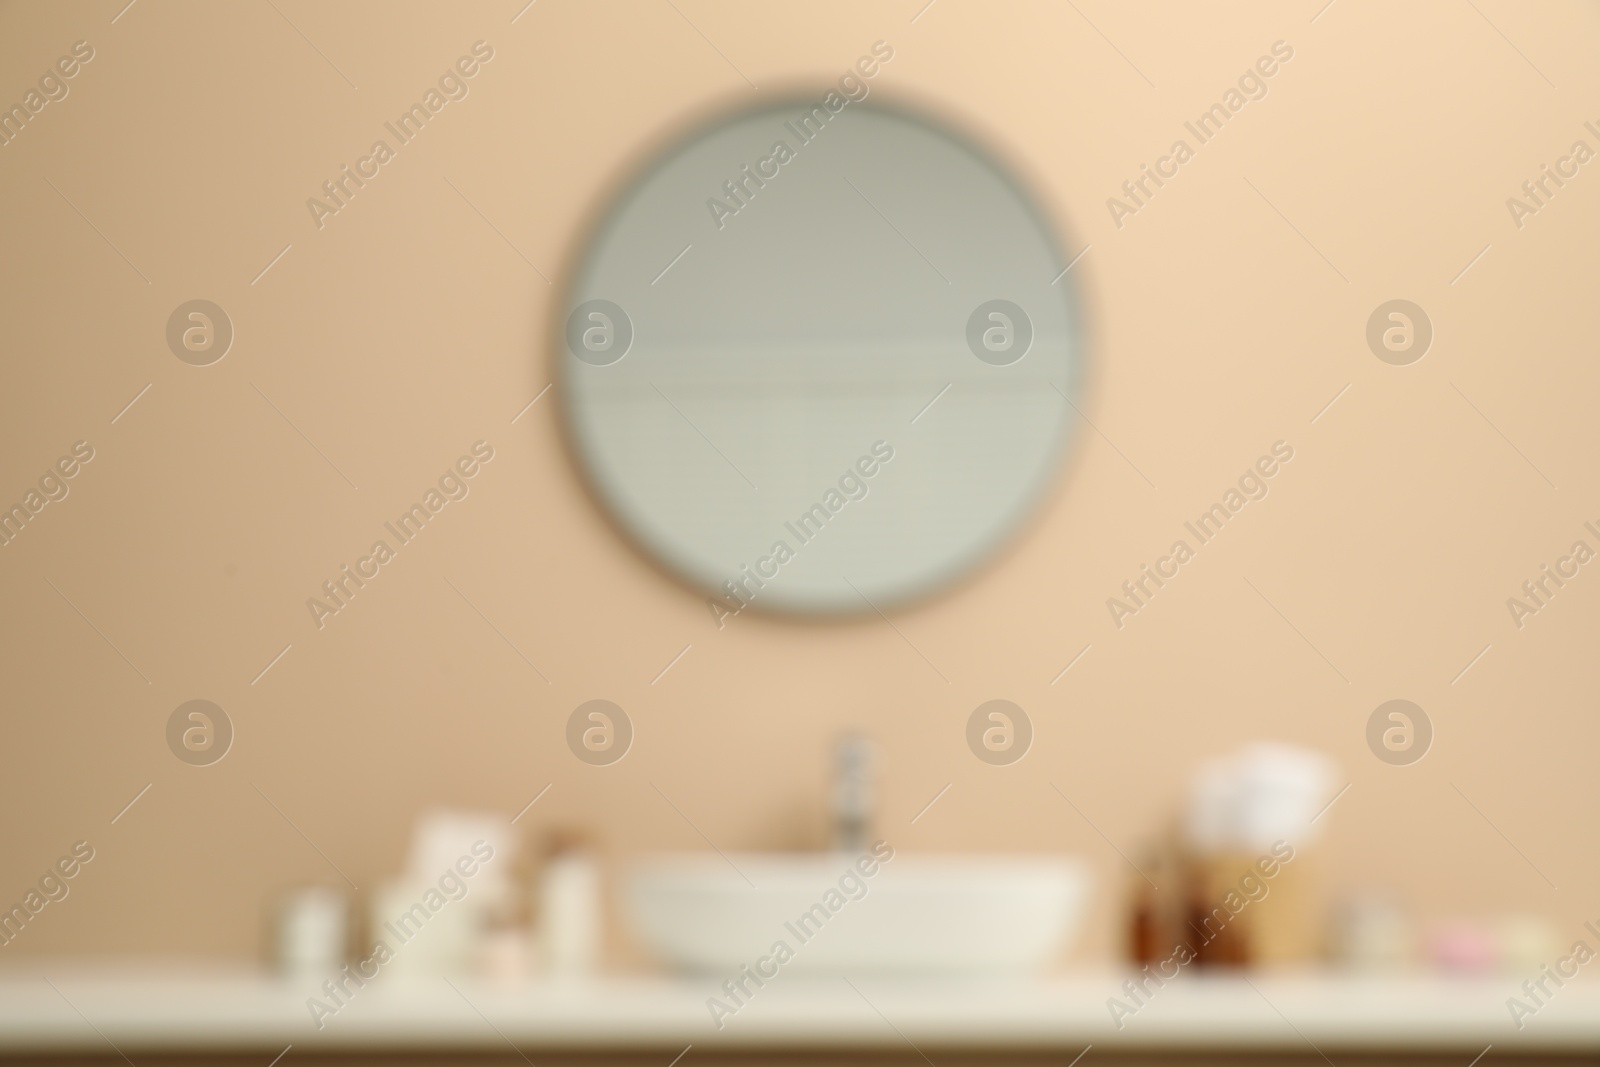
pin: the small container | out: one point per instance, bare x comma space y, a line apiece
1463, 946
571, 916
311, 935
507, 955
1525, 943
1371, 932
425, 943
1147, 922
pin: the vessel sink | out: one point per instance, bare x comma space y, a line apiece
975, 914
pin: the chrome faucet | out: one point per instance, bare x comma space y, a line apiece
854, 757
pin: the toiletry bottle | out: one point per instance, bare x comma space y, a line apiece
311, 932
570, 907
1219, 938
1146, 925
508, 953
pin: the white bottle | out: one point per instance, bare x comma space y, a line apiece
312, 932
570, 911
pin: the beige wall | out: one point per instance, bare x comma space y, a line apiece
406, 329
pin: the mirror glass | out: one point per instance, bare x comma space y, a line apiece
820, 360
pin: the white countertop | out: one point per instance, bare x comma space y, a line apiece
67, 1009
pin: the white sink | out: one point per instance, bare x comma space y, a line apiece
702, 912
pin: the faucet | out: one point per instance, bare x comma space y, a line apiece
854, 756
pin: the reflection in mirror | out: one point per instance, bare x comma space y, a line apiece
821, 360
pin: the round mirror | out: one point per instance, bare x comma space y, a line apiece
821, 357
